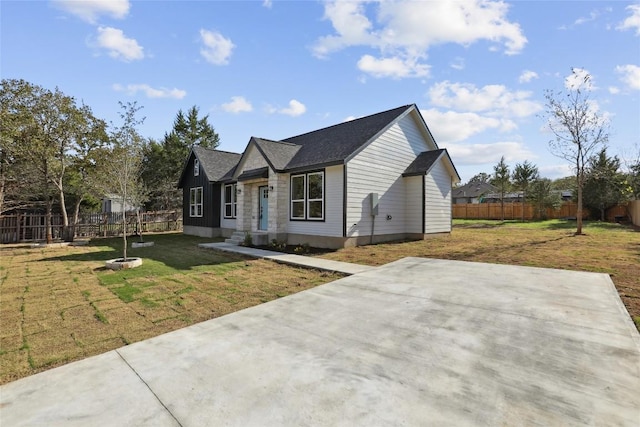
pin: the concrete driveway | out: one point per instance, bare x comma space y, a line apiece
415, 342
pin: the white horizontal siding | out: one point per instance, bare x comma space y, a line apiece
378, 169
438, 200
332, 225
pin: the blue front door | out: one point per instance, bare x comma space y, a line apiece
263, 223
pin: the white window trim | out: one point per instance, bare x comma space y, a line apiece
305, 200
309, 200
233, 203
196, 167
195, 207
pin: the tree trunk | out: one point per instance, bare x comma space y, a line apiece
124, 227
523, 199
47, 221
76, 214
579, 210
67, 232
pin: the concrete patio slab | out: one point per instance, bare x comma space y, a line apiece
415, 342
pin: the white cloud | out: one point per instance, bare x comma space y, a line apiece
493, 99
217, 49
579, 77
457, 64
633, 21
630, 75
451, 126
527, 76
613, 90
556, 171
90, 10
593, 15
149, 91
118, 45
267, 4
238, 104
295, 108
403, 32
392, 67
476, 154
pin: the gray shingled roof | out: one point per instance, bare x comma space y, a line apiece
216, 164
322, 147
335, 143
277, 153
423, 162
473, 189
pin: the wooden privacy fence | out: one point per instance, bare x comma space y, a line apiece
30, 227
513, 210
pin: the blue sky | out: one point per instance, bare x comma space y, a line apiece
476, 69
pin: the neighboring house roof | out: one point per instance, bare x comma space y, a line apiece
473, 190
216, 164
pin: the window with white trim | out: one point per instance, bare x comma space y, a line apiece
195, 202
196, 167
307, 196
230, 202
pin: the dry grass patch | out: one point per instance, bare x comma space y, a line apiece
613, 249
60, 304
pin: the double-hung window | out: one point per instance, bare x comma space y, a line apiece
307, 196
195, 202
230, 202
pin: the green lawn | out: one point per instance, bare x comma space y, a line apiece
60, 304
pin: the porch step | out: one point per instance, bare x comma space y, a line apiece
236, 238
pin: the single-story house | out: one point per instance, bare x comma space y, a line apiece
373, 179
472, 192
113, 203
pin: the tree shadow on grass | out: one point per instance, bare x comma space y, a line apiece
174, 251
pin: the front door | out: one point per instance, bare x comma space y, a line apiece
263, 222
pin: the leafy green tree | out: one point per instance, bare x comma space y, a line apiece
523, 175
45, 129
578, 129
634, 181
605, 185
543, 196
565, 183
502, 180
632, 164
481, 178
164, 161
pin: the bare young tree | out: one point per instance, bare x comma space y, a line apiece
122, 172
573, 118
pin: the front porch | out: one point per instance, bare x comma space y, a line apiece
262, 207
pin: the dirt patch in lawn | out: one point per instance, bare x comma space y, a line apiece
613, 249
58, 305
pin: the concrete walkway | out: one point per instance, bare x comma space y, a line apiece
291, 259
414, 342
